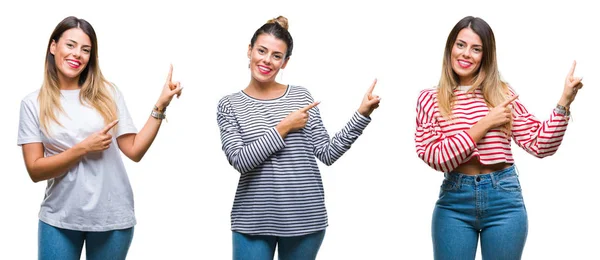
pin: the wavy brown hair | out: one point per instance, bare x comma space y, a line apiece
96, 91
495, 91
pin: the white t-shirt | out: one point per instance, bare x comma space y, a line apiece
95, 194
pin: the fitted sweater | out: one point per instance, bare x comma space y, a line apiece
445, 144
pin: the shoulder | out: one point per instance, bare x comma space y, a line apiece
31, 98
426, 96
511, 90
224, 104
299, 92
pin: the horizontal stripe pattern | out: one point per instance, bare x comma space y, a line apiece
280, 191
445, 144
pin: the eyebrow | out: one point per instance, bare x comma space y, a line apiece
475, 45
82, 45
260, 46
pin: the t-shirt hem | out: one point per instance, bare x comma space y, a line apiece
83, 228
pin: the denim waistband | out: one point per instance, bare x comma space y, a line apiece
491, 177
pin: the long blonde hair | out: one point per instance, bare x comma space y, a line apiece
96, 91
495, 91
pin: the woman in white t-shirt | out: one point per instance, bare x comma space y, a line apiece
67, 131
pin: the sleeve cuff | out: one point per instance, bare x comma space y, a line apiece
359, 121
277, 139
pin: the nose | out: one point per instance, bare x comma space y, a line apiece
76, 52
466, 53
267, 59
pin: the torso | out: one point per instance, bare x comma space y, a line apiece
474, 167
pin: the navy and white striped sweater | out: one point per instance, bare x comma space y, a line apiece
280, 192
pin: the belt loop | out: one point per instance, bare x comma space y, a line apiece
516, 170
492, 177
458, 182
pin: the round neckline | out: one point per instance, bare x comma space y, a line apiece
70, 92
287, 90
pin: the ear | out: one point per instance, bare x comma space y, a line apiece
249, 50
285, 63
53, 47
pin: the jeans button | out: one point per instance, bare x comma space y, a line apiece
478, 179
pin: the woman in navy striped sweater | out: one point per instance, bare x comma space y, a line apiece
464, 127
271, 133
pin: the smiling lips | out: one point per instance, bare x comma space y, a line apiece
464, 64
264, 70
73, 63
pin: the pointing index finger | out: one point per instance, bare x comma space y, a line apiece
110, 126
572, 71
306, 108
370, 91
510, 100
170, 74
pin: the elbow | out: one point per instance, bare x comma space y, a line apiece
35, 178
240, 169
328, 162
135, 157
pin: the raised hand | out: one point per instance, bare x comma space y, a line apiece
295, 120
499, 115
370, 102
100, 140
572, 85
169, 90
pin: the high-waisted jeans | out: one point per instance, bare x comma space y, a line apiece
489, 206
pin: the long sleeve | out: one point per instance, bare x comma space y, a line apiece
244, 156
441, 152
539, 138
329, 150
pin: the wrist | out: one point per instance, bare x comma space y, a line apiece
560, 109
160, 107
80, 149
282, 130
565, 102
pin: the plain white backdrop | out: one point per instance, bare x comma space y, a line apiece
379, 195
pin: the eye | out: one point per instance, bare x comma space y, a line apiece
460, 45
70, 45
278, 56
477, 50
261, 51
87, 51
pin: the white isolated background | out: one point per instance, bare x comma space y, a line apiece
379, 195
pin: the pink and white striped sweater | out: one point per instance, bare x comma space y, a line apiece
444, 145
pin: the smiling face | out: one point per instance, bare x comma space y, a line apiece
71, 54
267, 57
466, 56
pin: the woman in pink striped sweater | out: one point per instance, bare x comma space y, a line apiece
464, 129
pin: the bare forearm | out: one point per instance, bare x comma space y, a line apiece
51, 167
142, 141
478, 131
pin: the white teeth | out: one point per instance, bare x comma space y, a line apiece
464, 63
263, 68
73, 63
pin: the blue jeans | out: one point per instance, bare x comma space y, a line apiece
64, 244
250, 247
489, 206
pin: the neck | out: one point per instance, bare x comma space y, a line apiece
263, 87
265, 90
68, 83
